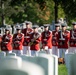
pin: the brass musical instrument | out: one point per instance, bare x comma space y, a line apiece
61, 34
73, 35
34, 39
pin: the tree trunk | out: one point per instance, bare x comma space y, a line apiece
56, 11
3, 17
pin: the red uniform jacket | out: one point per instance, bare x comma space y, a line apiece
46, 39
18, 41
6, 44
54, 38
63, 43
72, 38
26, 33
36, 37
0, 38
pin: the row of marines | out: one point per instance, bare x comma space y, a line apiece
29, 40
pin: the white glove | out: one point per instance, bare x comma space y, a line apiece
7, 37
32, 40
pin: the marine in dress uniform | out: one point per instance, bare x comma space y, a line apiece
63, 40
55, 49
72, 42
0, 41
6, 43
18, 39
27, 31
46, 39
35, 39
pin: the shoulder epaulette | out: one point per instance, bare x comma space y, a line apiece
68, 31
50, 31
22, 34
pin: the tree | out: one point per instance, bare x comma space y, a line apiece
69, 7
7, 9
37, 11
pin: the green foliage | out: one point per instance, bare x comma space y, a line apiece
37, 11
69, 7
61, 13
6, 9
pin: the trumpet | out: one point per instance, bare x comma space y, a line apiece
61, 36
35, 37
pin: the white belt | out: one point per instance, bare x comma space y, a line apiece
6, 42
45, 47
44, 39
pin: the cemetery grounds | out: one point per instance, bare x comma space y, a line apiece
62, 70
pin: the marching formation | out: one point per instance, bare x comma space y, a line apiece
29, 41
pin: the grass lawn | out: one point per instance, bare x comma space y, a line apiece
62, 70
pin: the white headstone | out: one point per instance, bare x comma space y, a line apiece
15, 66
2, 54
47, 63
68, 61
11, 54
42, 51
26, 57
54, 56
44, 60
16, 61
73, 65
55, 64
68, 57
